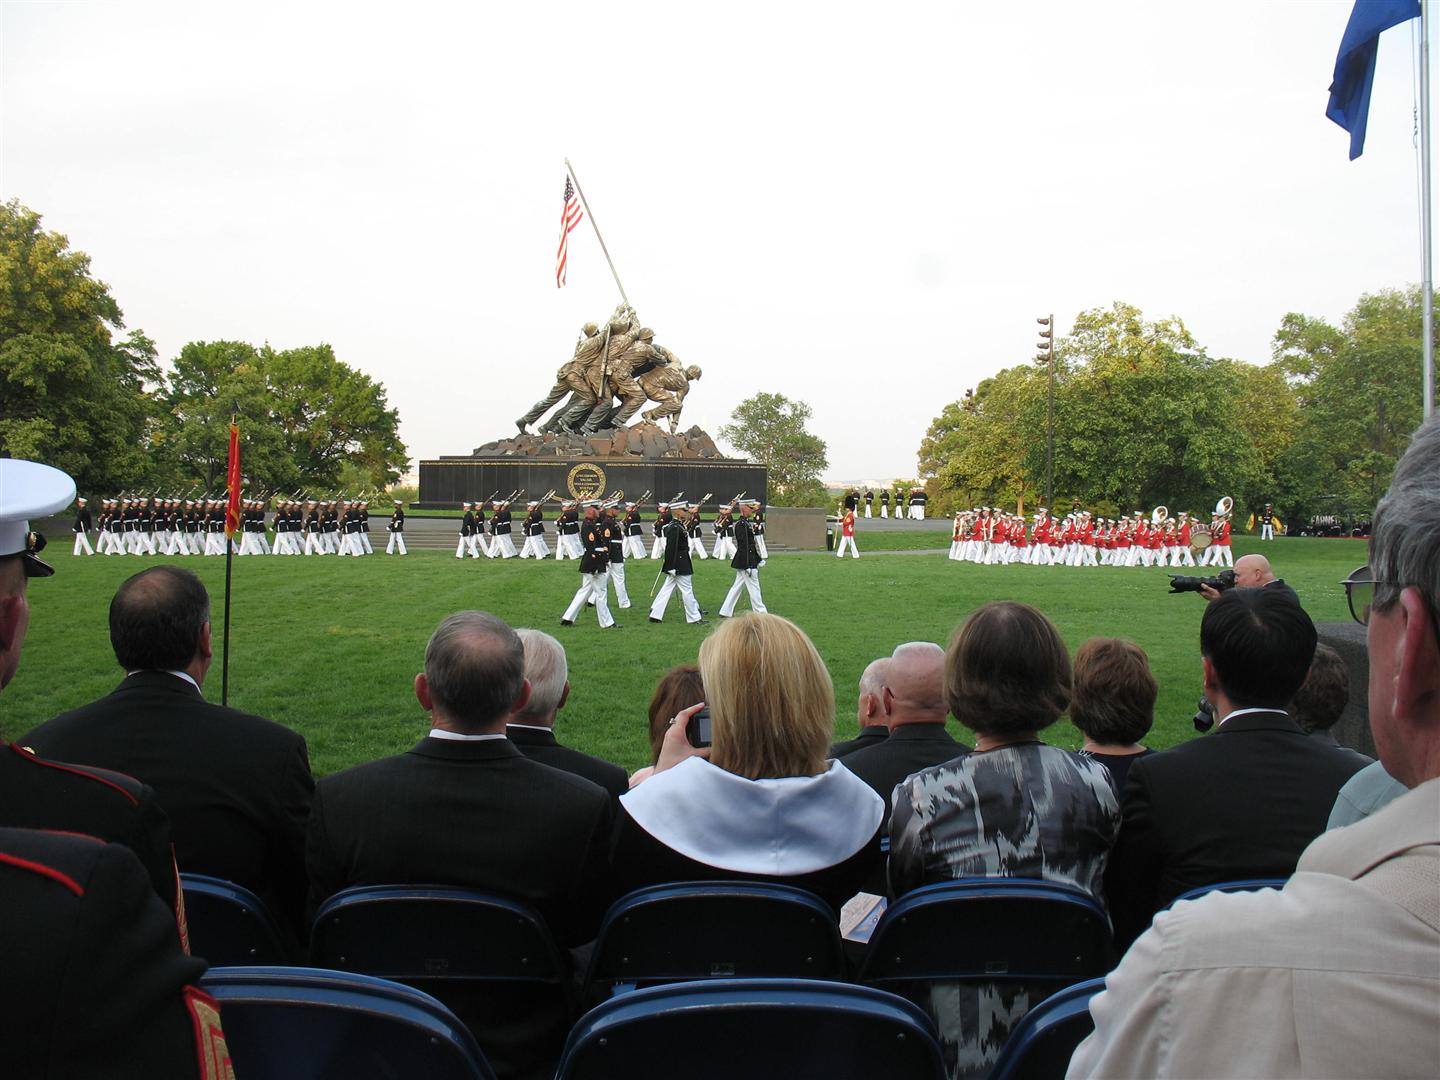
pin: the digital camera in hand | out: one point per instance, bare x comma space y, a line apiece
1180, 583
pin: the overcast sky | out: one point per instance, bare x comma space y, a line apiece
862, 206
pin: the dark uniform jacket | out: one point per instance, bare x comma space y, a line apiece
747, 554
95, 982
540, 745
37, 793
83, 521
595, 540
868, 737
910, 748
632, 524
617, 538
1242, 802
467, 524
235, 787
500, 523
397, 521
534, 523
677, 549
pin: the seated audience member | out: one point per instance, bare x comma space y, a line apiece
1337, 974
1244, 801
1253, 572
1322, 697
94, 982
532, 729
236, 788
464, 807
869, 714
1112, 702
912, 700
1369, 790
678, 688
1012, 808
763, 803
40, 794
1015, 807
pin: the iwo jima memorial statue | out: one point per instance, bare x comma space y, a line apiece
588, 448
585, 450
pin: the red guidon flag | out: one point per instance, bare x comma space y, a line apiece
570, 216
232, 480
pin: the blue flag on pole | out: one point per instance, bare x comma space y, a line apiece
1355, 66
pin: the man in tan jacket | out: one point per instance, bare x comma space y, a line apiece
1338, 974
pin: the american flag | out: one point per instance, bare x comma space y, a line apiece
569, 217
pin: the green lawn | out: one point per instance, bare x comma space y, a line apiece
330, 646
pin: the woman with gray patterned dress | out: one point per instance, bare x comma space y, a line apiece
1013, 808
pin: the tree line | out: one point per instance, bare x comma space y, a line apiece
1143, 416
80, 392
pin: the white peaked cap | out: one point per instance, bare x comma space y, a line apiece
29, 490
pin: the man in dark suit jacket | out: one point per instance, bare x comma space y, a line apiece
1244, 801
868, 714
532, 729
235, 787
913, 702
464, 807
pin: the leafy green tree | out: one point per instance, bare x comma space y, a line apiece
1358, 395
308, 421
770, 428
70, 395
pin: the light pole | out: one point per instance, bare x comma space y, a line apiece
1047, 355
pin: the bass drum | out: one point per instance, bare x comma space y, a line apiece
1200, 537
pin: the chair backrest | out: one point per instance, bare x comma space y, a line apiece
229, 924
491, 960
1243, 885
991, 929
723, 1028
1041, 1045
715, 929
282, 1023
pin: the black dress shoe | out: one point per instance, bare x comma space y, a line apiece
567, 622
653, 619
613, 626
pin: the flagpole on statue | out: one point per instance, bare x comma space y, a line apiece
1427, 295
232, 525
588, 213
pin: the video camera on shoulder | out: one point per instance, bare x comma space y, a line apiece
1180, 583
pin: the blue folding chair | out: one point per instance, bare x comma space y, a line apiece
1012, 940
714, 929
727, 1028
491, 960
296, 1023
1042, 1044
229, 924
1240, 885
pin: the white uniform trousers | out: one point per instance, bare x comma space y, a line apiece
844, 541
1187, 557
750, 579
867, 509
592, 586
657, 549
535, 547
697, 549
397, 540
82, 543
1267, 531
634, 547
957, 549
1223, 557
686, 586
615, 571
502, 547
567, 546
885, 510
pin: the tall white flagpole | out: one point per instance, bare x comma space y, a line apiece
1427, 293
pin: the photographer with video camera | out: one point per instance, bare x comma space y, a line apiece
1250, 572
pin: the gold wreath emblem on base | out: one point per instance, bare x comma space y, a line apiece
586, 481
